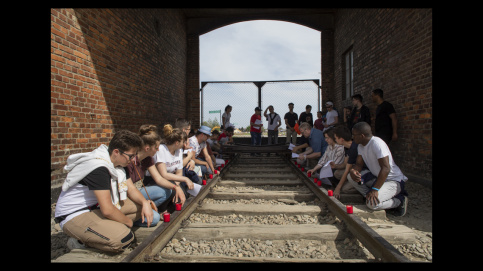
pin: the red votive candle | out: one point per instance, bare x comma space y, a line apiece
178, 206
295, 162
166, 217
216, 171
319, 183
222, 165
330, 193
303, 169
204, 182
211, 176
298, 166
309, 174
315, 180
349, 209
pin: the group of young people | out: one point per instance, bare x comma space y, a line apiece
100, 202
361, 161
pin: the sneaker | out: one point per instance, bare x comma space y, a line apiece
402, 208
73, 243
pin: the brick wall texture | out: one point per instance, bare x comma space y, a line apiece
392, 51
113, 69
117, 69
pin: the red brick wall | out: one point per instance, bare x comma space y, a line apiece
392, 51
113, 69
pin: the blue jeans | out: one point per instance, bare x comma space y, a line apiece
204, 169
157, 193
256, 139
156, 218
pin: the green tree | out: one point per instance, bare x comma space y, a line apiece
211, 123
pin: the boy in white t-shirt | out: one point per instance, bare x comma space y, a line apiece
332, 116
198, 144
169, 160
385, 188
99, 204
274, 121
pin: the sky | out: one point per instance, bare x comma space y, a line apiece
259, 50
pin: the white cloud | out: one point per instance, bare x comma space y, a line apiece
259, 51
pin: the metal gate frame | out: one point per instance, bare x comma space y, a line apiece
259, 85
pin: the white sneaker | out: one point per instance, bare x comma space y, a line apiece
73, 243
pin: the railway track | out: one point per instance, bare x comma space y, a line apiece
261, 209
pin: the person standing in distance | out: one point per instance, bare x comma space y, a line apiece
274, 122
290, 120
386, 121
256, 128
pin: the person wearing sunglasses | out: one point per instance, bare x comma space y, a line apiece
98, 204
332, 115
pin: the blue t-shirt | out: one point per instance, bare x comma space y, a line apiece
317, 141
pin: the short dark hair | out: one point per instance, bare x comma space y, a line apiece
124, 140
229, 129
378, 92
357, 97
308, 106
363, 127
182, 123
290, 104
343, 131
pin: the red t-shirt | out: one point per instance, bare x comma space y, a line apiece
253, 119
222, 135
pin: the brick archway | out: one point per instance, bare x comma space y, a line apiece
202, 21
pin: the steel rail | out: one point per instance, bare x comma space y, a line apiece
375, 243
163, 234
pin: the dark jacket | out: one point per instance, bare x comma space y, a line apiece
364, 115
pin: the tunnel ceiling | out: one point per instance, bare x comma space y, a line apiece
201, 21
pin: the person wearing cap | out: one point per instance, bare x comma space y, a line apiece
274, 122
256, 128
290, 121
332, 115
198, 144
